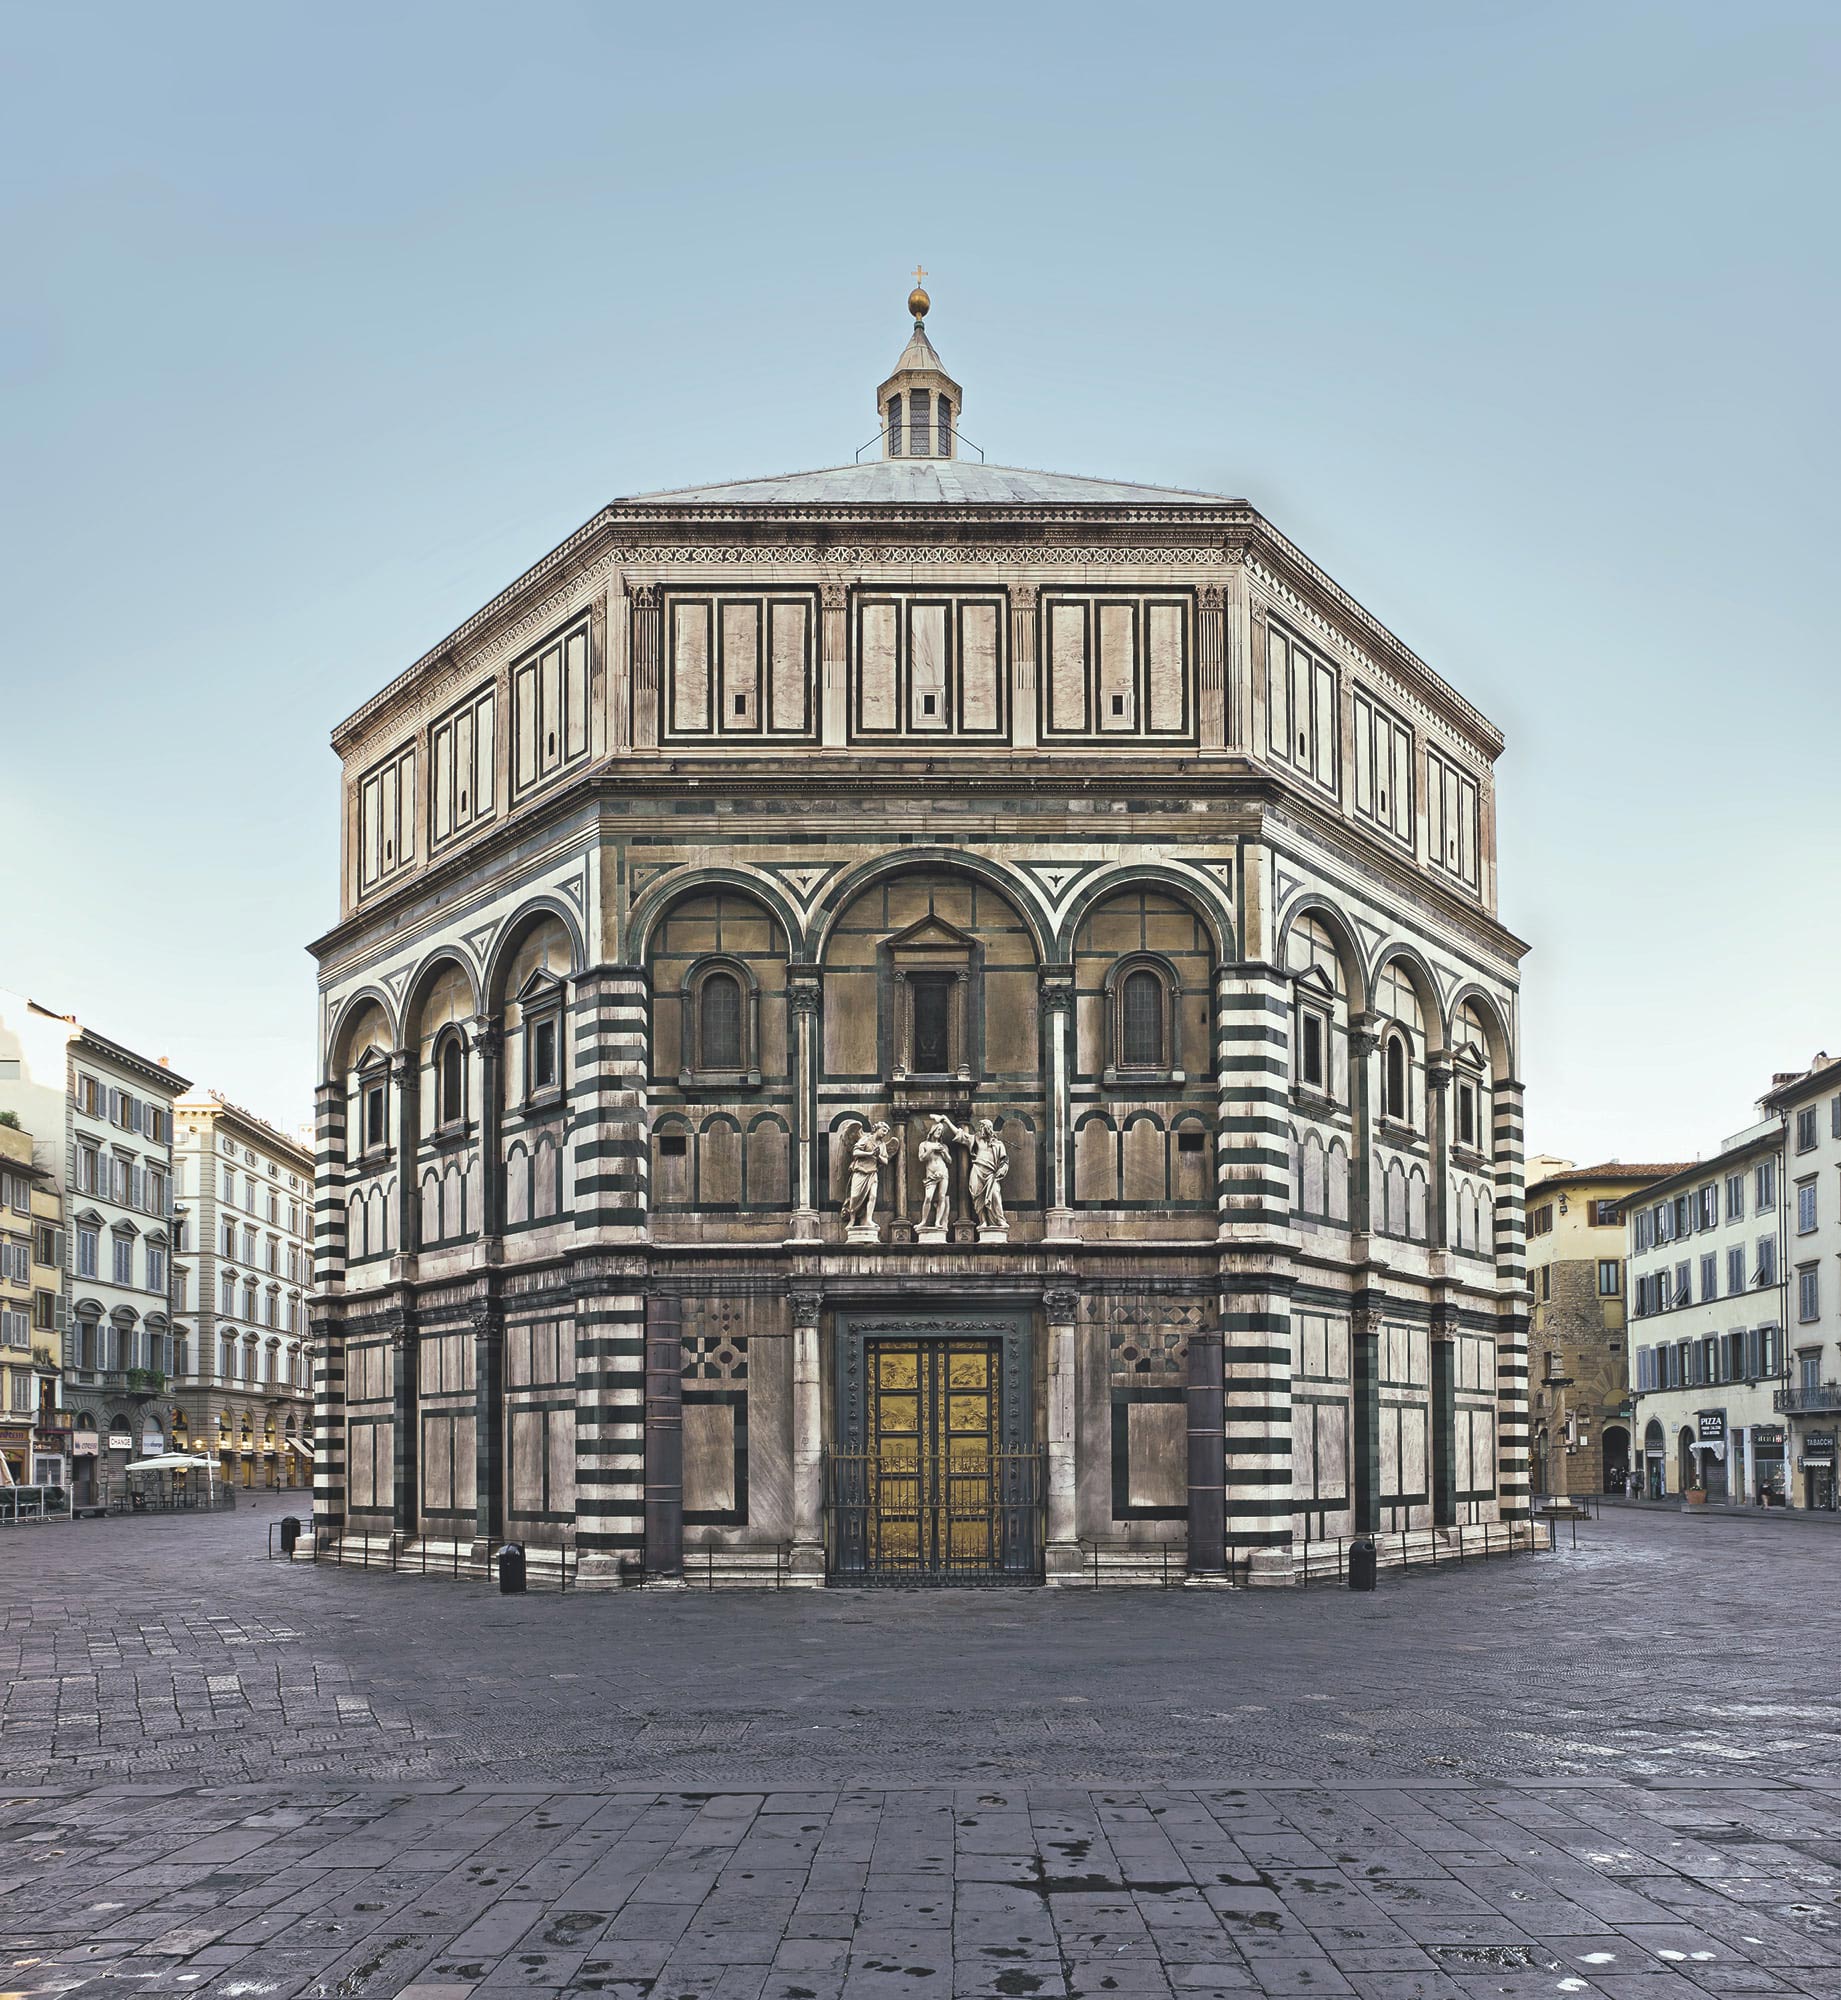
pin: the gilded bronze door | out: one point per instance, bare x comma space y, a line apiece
933, 1432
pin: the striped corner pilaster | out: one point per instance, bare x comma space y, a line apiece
1253, 1077
608, 1125
328, 1422
328, 1185
1512, 1313
1256, 1370
610, 1430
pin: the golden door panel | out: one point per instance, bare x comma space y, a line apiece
933, 1429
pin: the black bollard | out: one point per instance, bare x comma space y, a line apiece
1362, 1563
511, 1569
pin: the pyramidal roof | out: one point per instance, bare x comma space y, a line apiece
950, 482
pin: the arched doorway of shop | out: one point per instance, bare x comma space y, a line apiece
1616, 1458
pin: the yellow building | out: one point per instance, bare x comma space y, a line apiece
1578, 1364
34, 1442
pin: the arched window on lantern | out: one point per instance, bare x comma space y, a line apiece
894, 427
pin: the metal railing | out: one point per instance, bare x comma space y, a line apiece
545, 1569
1819, 1399
935, 1518
1419, 1548
1125, 1565
34, 1503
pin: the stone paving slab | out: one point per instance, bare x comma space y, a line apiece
1447, 1891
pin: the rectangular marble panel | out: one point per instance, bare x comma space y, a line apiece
850, 1023
1166, 671
690, 667
1157, 1446
876, 668
791, 679
980, 668
709, 1458
575, 694
928, 706
1067, 667
1118, 693
741, 665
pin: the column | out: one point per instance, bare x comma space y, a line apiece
406, 1095
1211, 686
1061, 1309
805, 998
834, 672
607, 1029
1444, 1416
489, 1096
404, 1494
1440, 1235
488, 1430
1365, 1415
1024, 672
1057, 1017
664, 1441
1512, 1306
328, 1360
1207, 1460
808, 1558
1236, 646
647, 650
1364, 1052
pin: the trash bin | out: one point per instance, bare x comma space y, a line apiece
290, 1533
511, 1569
1362, 1563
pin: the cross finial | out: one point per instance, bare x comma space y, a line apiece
919, 274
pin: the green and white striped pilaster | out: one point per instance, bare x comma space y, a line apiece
1512, 1314
1253, 1079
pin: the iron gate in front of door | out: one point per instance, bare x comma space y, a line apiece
932, 1485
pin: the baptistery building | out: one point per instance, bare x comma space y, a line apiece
919, 1021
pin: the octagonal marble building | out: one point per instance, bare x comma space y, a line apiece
919, 1021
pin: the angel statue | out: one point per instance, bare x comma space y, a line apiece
990, 1162
936, 1173
869, 1152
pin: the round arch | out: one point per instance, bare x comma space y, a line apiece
430, 969
350, 1010
516, 928
652, 906
1013, 887
1312, 903
1195, 891
1501, 1050
1419, 977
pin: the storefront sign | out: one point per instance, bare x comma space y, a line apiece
1819, 1444
1768, 1437
83, 1444
120, 1441
1712, 1426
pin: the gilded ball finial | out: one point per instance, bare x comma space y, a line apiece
918, 301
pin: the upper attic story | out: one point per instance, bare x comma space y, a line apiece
919, 605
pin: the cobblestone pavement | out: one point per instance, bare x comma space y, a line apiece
1612, 1771
1664, 1646
1423, 1892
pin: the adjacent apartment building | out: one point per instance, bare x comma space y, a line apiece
34, 1442
101, 1119
1808, 1401
243, 1203
1706, 1277
1578, 1364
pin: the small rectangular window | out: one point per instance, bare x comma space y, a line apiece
1189, 1140
1312, 1055
673, 1145
1805, 1129
1805, 1208
543, 1056
1808, 1295
1610, 1277
373, 1116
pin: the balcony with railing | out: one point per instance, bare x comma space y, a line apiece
1811, 1399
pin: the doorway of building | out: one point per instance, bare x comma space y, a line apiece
931, 1483
1616, 1473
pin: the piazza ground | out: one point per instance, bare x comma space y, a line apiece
1608, 1771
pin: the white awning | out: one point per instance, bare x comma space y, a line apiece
170, 1461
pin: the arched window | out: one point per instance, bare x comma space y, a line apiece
1393, 1098
1141, 1021
894, 427
946, 427
719, 1022
452, 1106
920, 422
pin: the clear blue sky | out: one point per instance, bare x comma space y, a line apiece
320, 322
